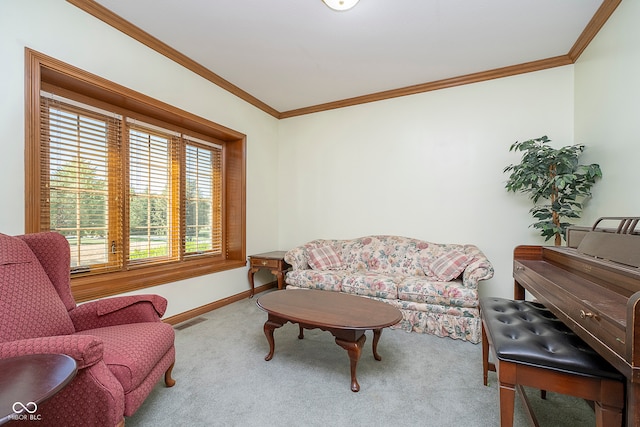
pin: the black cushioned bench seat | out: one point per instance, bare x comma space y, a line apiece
534, 348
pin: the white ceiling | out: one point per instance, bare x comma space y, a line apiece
292, 54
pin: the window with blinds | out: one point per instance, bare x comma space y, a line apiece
153, 191
126, 193
145, 192
81, 174
203, 201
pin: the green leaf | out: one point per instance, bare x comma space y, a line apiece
547, 174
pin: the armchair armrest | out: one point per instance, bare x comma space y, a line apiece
87, 350
118, 311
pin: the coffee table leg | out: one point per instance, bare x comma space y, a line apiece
374, 345
269, 326
354, 349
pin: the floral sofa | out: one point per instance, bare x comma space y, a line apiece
434, 285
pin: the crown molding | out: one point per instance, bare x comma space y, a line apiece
120, 24
600, 17
436, 85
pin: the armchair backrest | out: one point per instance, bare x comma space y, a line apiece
52, 250
30, 304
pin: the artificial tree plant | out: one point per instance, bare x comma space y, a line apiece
554, 177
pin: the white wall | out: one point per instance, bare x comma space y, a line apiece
87, 43
430, 165
427, 166
607, 112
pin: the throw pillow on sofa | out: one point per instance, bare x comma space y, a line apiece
324, 258
450, 265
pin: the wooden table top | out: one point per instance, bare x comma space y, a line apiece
270, 255
26, 381
329, 309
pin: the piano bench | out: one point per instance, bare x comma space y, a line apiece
531, 347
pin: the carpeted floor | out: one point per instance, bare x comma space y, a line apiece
222, 379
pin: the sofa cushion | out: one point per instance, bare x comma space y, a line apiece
371, 285
131, 351
324, 258
390, 255
449, 265
423, 290
357, 252
327, 280
411, 264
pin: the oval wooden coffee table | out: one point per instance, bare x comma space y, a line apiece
346, 316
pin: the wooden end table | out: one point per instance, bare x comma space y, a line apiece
26, 381
345, 316
273, 261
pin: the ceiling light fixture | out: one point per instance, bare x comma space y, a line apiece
340, 4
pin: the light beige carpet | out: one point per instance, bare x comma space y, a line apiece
222, 379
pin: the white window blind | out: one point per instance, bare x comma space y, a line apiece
126, 193
203, 198
79, 177
154, 232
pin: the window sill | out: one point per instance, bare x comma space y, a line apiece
102, 285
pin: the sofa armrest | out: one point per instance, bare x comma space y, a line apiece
118, 311
87, 350
479, 269
297, 258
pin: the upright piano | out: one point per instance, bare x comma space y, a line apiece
593, 286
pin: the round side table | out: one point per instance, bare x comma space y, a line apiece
26, 381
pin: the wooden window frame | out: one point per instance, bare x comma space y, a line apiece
42, 71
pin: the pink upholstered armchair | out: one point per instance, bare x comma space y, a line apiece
120, 345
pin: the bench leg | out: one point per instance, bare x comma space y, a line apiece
507, 404
485, 356
607, 416
610, 407
507, 390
